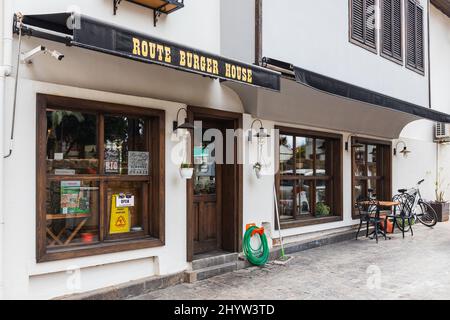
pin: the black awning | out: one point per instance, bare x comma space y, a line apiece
346, 90
89, 33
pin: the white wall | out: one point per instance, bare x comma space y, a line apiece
440, 60
440, 83
196, 25
314, 35
238, 29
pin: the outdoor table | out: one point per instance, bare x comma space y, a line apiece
382, 204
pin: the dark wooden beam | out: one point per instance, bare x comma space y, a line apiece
443, 5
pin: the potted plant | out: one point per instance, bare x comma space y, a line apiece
322, 210
186, 171
440, 205
257, 167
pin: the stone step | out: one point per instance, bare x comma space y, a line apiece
209, 272
214, 261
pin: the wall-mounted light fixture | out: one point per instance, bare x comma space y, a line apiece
159, 6
405, 152
186, 125
354, 145
261, 135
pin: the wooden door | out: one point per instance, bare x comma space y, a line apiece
207, 198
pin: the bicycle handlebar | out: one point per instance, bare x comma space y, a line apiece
420, 182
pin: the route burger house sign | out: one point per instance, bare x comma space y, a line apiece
92, 34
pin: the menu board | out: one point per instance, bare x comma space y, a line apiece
112, 160
138, 163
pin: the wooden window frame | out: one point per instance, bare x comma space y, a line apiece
414, 68
390, 55
335, 177
360, 42
156, 179
384, 166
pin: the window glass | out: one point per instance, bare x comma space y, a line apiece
323, 207
72, 213
371, 160
304, 155
360, 161
71, 143
304, 196
125, 208
286, 199
360, 191
321, 157
126, 151
286, 154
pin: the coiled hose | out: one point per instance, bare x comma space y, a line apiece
256, 256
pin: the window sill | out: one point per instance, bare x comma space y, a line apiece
309, 222
392, 59
363, 45
421, 72
98, 249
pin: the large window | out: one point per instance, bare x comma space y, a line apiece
309, 177
363, 24
414, 36
371, 168
100, 178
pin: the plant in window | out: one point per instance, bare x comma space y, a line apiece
186, 170
322, 210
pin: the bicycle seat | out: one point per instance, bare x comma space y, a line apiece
402, 190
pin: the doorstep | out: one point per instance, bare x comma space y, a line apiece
211, 267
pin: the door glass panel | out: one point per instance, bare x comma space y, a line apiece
371, 160
286, 199
205, 168
286, 155
321, 157
303, 195
72, 213
71, 143
126, 150
304, 153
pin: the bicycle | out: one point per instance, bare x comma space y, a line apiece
412, 204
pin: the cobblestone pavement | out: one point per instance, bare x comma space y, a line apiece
411, 268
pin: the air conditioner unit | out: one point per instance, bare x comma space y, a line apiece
442, 131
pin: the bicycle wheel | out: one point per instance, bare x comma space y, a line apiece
426, 214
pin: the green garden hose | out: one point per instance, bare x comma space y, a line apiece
260, 255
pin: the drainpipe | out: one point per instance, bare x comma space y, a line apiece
5, 71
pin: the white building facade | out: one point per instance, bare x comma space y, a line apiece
337, 95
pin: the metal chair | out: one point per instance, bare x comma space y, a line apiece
404, 211
369, 214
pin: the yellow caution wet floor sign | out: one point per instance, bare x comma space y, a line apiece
120, 218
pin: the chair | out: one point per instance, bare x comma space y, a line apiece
404, 211
369, 214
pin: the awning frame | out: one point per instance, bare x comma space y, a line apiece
78, 30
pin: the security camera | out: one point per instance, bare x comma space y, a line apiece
57, 55
27, 57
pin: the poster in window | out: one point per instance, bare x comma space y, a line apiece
120, 217
112, 160
74, 198
138, 163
